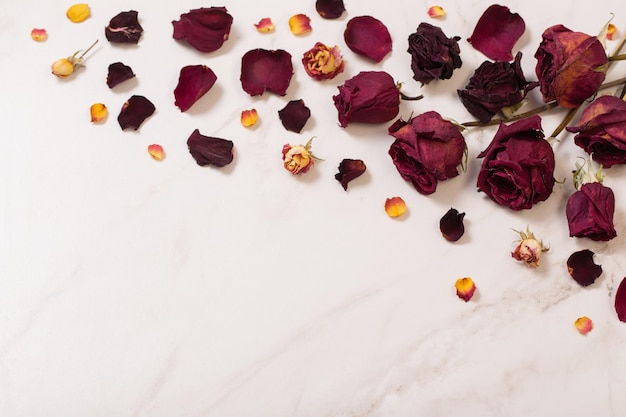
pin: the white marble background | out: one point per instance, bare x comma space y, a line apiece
130, 287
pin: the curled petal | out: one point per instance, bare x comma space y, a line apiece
395, 206
299, 24
583, 325
265, 25
249, 117
582, 268
39, 35
349, 169
620, 301
134, 112
451, 225
206, 28
208, 150
124, 28
98, 112
266, 70
156, 152
193, 82
465, 288
294, 115
496, 33
368, 37
118, 73
78, 12
436, 12
330, 9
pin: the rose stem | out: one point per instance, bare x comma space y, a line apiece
621, 57
519, 116
409, 98
88, 49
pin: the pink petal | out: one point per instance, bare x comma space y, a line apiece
368, 36
496, 33
194, 81
266, 70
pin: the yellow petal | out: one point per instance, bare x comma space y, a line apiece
156, 151
98, 112
465, 288
395, 206
436, 11
249, 117
583, 325
299, 24
39, 35
265, 25
62, 67
78, 12
610, 31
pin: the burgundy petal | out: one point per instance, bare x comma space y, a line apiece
118, 73
582, 268
134, 112
124, 28
330, 9
194, 81
294, 115
368, 36
266, 70
620, 301
349, 169
208, 150
496, 32
451, 225
206, 28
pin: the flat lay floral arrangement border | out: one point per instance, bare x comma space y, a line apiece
517, 167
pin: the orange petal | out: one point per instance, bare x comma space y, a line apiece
610, 31
78, 12
98, 112
249, 117
265, 25
299, 24
395, 206
436, 11
156, 151
465, 288
39, 35
583, 324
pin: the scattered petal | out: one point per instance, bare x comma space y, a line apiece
78, 12
330, 9
39, 35
322, 62
496, 33
156, 152
451, 225
124, 28
395, 206
620, 301
582, 268
298, 159
436, 11
368, 37
265, 25
465, 288
611, 30
206, 28
583, 325
266, 70
208, 150
118, 73
62, 67
249, 117
98, 112
349, 169
193, 82
134, 112
294, 115
299, 24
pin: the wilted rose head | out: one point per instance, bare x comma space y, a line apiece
322, 62
433, 54
298, 159
571, 66
590, 212
528, 249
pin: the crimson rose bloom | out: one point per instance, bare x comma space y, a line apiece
518, 166
602, 131
427, 149
433, 54
590, 212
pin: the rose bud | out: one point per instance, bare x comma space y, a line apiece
601, 131
451, 225
529, 249
518, 165
322, 62
433, 54
582, 268
427, 149
298, 159
368, 97
62, 67
494, 86
571, 66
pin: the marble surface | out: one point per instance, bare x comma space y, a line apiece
131, 287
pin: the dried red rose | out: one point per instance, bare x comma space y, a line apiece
427, 149
582, 268
571, 66
518, 166
368, 97
124, 28
601, 131
368, 36
494, 86
193, 82
451, 225
206, 28
330, 9
134, 112
620, 301
433, 54
322, 62
298, 159
266, 70
590, 212
118, 73
294, 115
349, 169
207, 150
496, 32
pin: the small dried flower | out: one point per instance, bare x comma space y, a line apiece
583, 325
436, 12
298, 159
465, 288
265, 25
300, 24
39, 35
65, 67
323, 62
433, 54
98, 112
156, 152
78, 12
395, 206
529, 249
249, 117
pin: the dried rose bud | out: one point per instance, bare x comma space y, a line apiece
78, 12
395, 206
156, 152
266, 70
294, 115
322, 62
451, 225
39, 35
265, 25
433, 54
620, 301
194, 81
436, 12
249, 117
368, 36
582, 268
206, 28
134, 111
62, 67
98, 112
529, 249
124, 28
349, 169
330, 9
298, 159
465, 288
584, 325
207, 150
300, 24
496, 32
118, 73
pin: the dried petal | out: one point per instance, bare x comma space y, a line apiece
582, 268
330, 9
62, 67
266, 70
620, 301
298, 159
208, 150
436, 11
134, 112
118, 73
98, 112
451, 225
39, 35
496, 33
395, 206
156, 152
611, 30
193, 82
294, 115
206, 28
583, 325
265, 25
465, 288
322, 62
249, 117
368, 37
78, 12
349, 169
299, 24
124, 28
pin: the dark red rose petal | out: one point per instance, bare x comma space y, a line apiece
208, 150
451, 225
206, 28
368, 36
590, 212
330, 9
193, 82
349, 169
266, 70
134, 112
496, 32
620, 301
124, 28
118, 73
294, 115
582, 268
